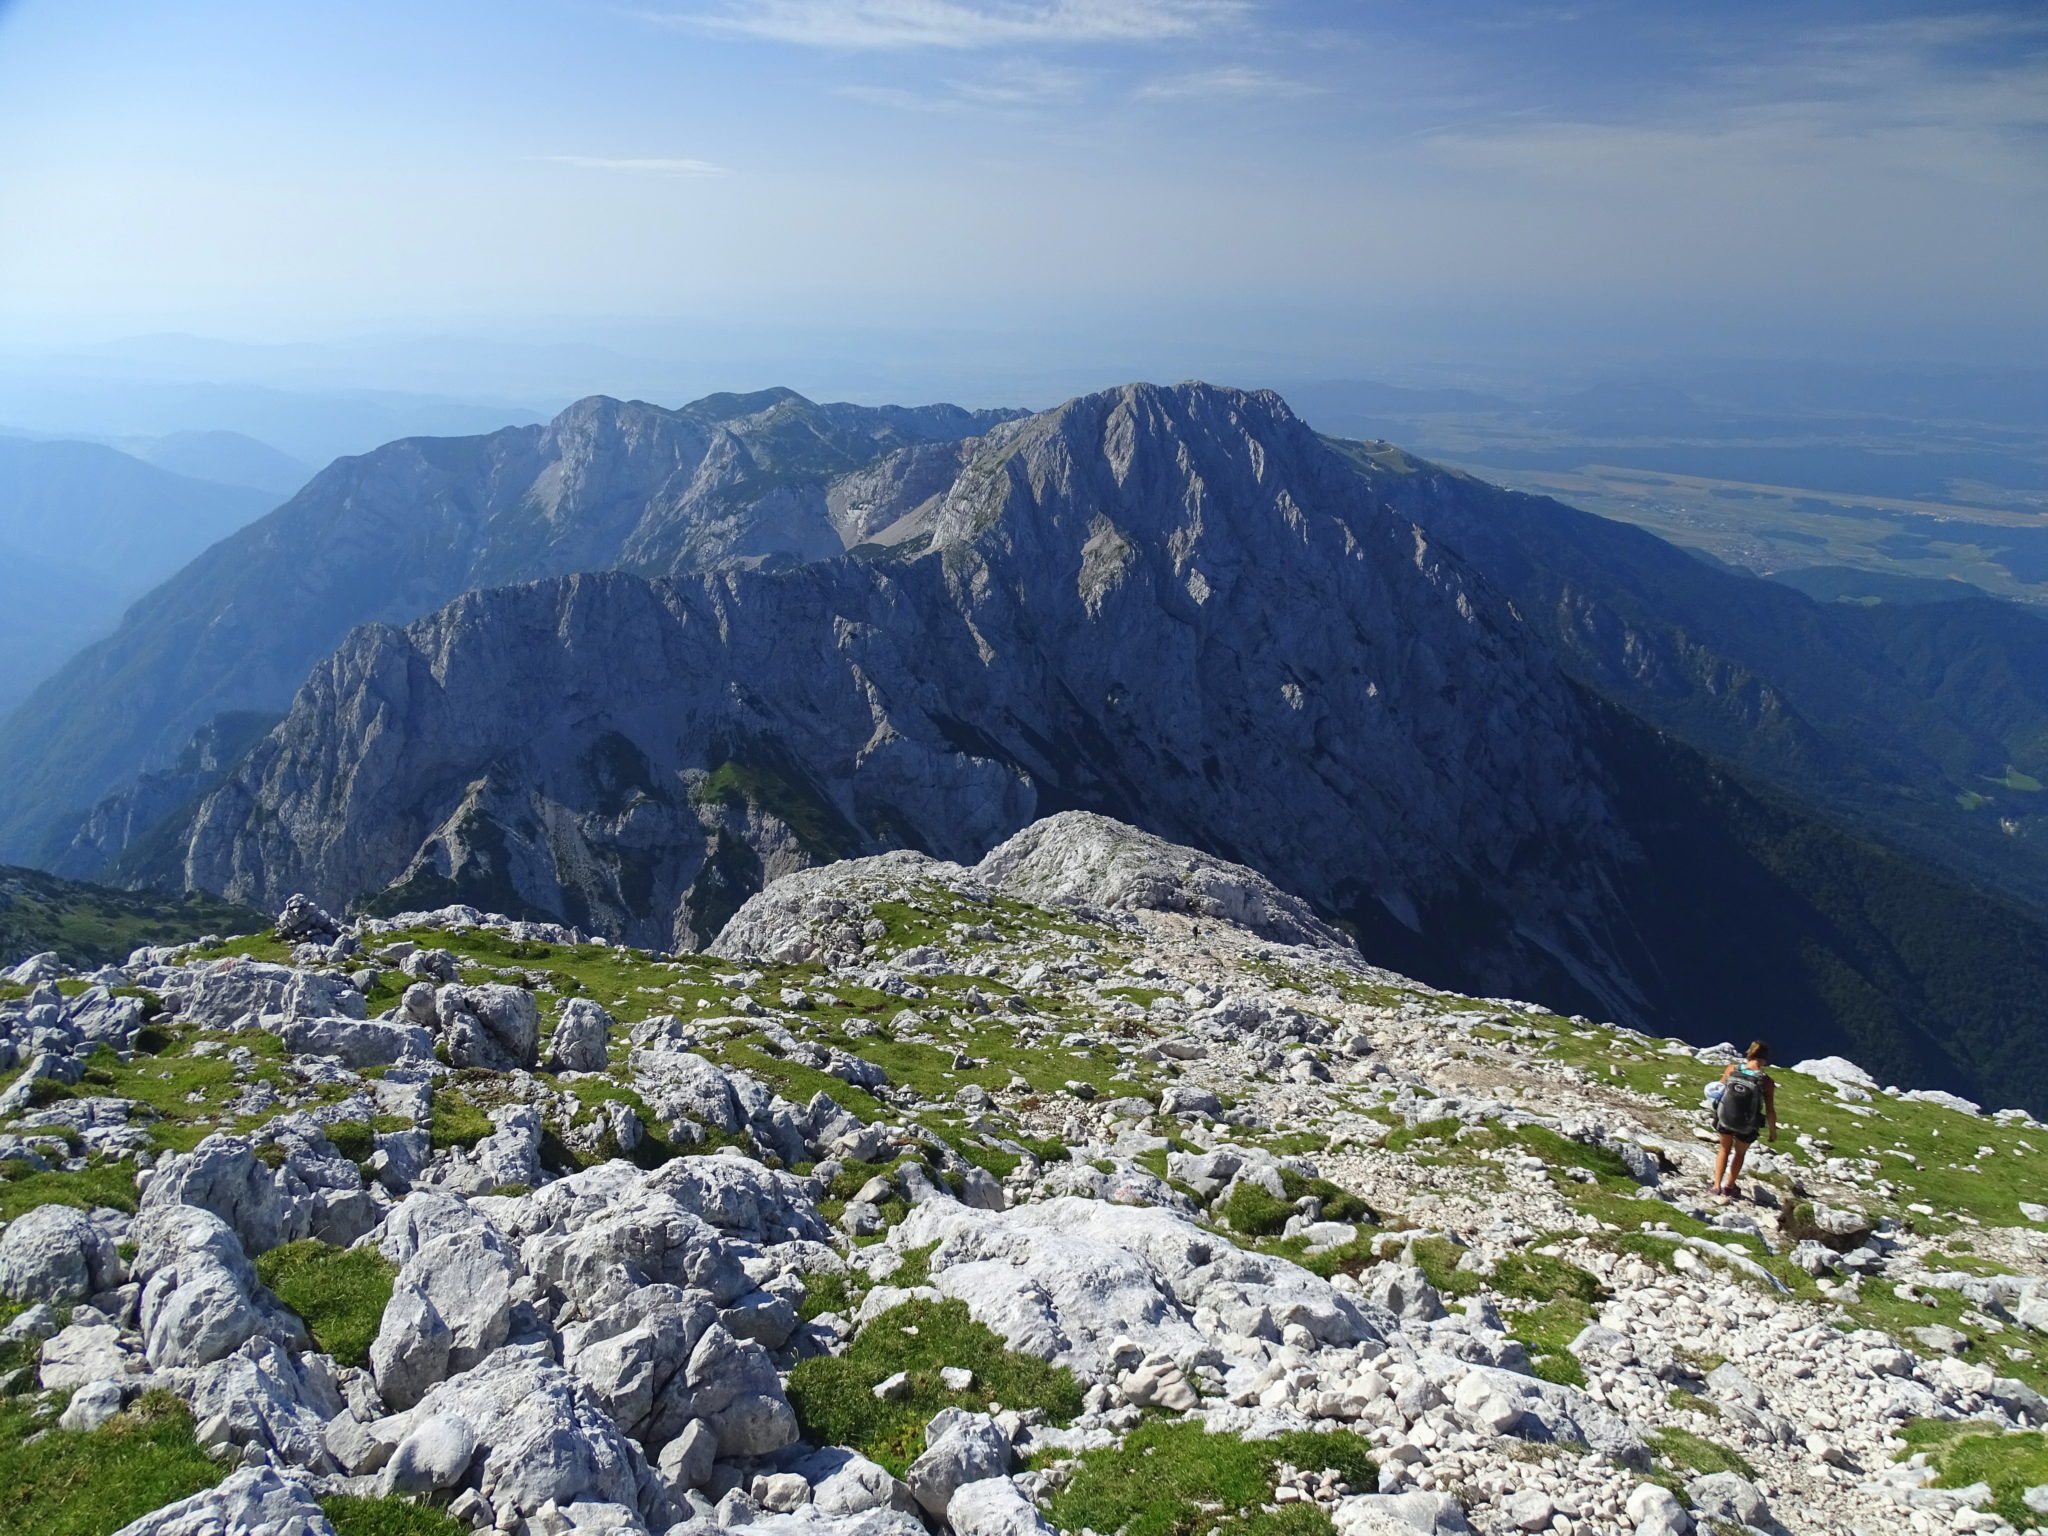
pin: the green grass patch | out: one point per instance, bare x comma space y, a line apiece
1558, 1151
1967, 1451
78, 1484
90, 925
1696, 1453
1548, 1331
1682, 1398
1438, 1258
1544, 1277
826, 1293
340, 1292
22, 1189
455, 1121
835, 1401
1254, 1211
1403, 1137
188, 1092
1173, 1478
1338, 1204
353, 1139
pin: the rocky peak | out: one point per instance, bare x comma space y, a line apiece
388, 536
1168, 604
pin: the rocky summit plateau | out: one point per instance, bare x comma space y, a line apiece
1098, 1185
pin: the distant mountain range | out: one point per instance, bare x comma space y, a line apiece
1516, 747
227, 458
85, 529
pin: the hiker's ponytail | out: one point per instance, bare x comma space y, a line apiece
1758, 1051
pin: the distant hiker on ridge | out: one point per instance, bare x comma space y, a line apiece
1748, 1098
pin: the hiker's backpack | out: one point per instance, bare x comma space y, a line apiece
1741, 1112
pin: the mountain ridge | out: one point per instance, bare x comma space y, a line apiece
1176, 607
389, 535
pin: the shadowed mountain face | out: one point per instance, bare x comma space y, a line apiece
1921, 721
391, 535
1177, 607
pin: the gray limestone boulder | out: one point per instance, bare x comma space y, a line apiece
56, 1253
812, 1521
1065, 1279
357, 1042
742, 1198
581, 1033
845, 1482
1077, 857
645, 1237
261, 1396
493, 1026
87, 1352
303, 921
734, 1387
450, 1306
255, 1501
31, 1326
1404, 1291
435, 1455
222, 994
1052, 1291
1838, 1227
509, 1155
1376, 1514
1655, 1508
635, 1357
35, 970
994, 1507
223, 1175
686, 1461
424, 1215
540, 1435
92, 1405
201, 1299
960, 1448
1727, 1496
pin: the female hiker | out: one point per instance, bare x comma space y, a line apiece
1748, 1099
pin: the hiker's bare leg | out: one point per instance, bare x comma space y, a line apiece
1735, 1168
1721, 1160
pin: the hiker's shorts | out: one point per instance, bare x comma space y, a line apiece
1747, 1138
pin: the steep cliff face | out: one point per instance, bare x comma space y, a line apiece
1913, 721
1174, 606
394, 534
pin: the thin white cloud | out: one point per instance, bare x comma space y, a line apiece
1021, 83
1227, 84
644, 167
1019, 86
960, 24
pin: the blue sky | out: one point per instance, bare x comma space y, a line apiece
1302, 176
